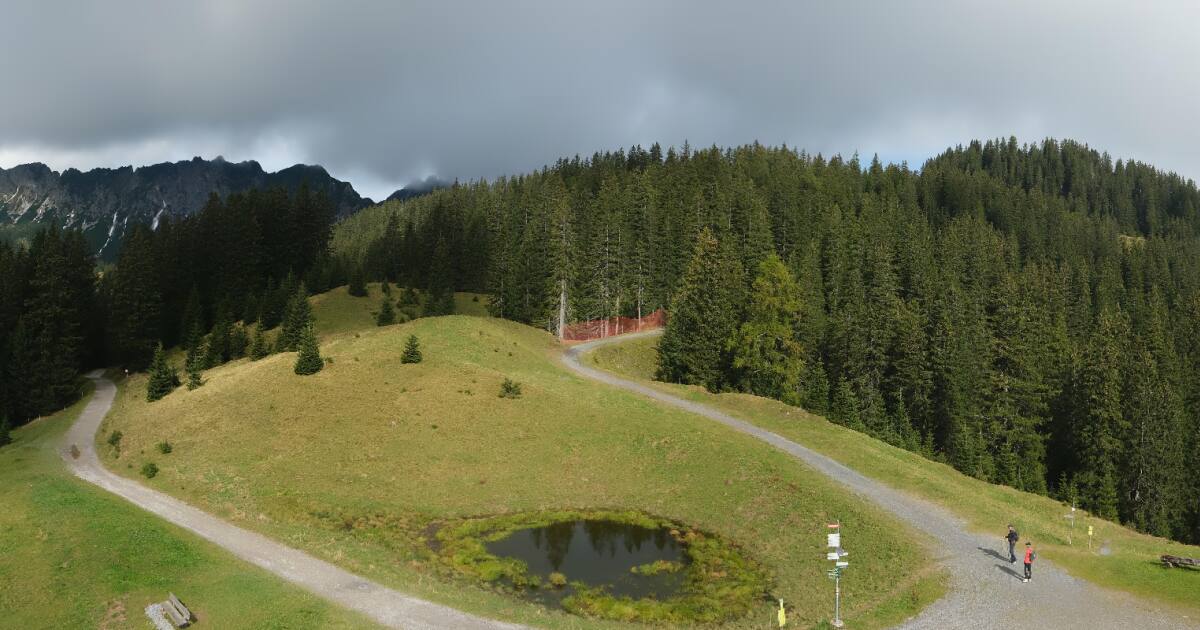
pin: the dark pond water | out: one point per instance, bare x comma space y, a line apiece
597, 553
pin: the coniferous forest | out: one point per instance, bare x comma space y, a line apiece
1029, 314
239, 261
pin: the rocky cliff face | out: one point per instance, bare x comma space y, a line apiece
106, 203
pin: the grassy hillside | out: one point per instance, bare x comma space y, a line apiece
339, 312
1129, 561
74, 556
355, 463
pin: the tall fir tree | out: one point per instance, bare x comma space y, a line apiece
308, 359
704, 315
768, 359
163, 377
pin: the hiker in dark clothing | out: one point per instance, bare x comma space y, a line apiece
1012, 538
1030, 556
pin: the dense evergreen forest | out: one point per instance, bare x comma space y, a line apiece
239, 261
1028, 314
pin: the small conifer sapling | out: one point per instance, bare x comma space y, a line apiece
412, 351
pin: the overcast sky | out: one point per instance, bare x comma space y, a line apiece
385, 92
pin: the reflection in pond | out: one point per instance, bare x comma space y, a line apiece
599, 554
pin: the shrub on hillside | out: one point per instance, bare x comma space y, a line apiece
114, 439
165, 447
149, 470
412, 351
309, 360
163, 377
510, 389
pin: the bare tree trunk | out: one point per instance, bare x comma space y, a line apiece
562, 308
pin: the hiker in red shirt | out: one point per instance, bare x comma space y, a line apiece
1030, 556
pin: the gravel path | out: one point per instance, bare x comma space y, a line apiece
384, 605
985, 590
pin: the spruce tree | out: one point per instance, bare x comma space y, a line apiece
387, 314
308, 361
259, 348
767, 357
163, 376
5, 431
238, 342
1101, 421
297, 315
219, 340
358, 284
844, 409
704, 315
194, 365
412, 351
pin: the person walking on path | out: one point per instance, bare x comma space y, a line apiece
1030, 556
1012, 537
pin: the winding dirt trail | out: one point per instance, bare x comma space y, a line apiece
985, 590
386, 606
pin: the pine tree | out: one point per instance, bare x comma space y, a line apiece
259, 348
1101, 421
219, 340
412, 351
194, 365
358, 284
238, 342
163, 376
767, 357
387, 314
297, 315
5, 431
308, 361
816, 388
844, 408
704, 315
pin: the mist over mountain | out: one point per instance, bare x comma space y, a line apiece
419, 188
105, 203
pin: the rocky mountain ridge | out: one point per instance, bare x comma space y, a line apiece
106, 202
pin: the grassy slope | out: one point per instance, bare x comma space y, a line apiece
74, 556
349, 463
1131, 565
339, 312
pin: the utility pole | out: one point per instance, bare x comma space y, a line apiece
834, 541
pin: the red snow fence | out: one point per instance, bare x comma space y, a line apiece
600, 328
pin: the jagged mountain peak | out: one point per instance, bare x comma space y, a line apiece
106, 202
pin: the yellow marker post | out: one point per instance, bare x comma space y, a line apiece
782, 615
1089, 537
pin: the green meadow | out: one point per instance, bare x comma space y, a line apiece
362, 463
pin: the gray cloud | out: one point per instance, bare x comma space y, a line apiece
385, 92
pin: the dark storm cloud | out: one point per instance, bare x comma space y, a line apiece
384, 92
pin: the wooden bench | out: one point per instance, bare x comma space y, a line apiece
1176, 561
173, 610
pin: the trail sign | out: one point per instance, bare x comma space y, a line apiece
834, 541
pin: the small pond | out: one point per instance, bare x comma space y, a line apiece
626, 560
622, 565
